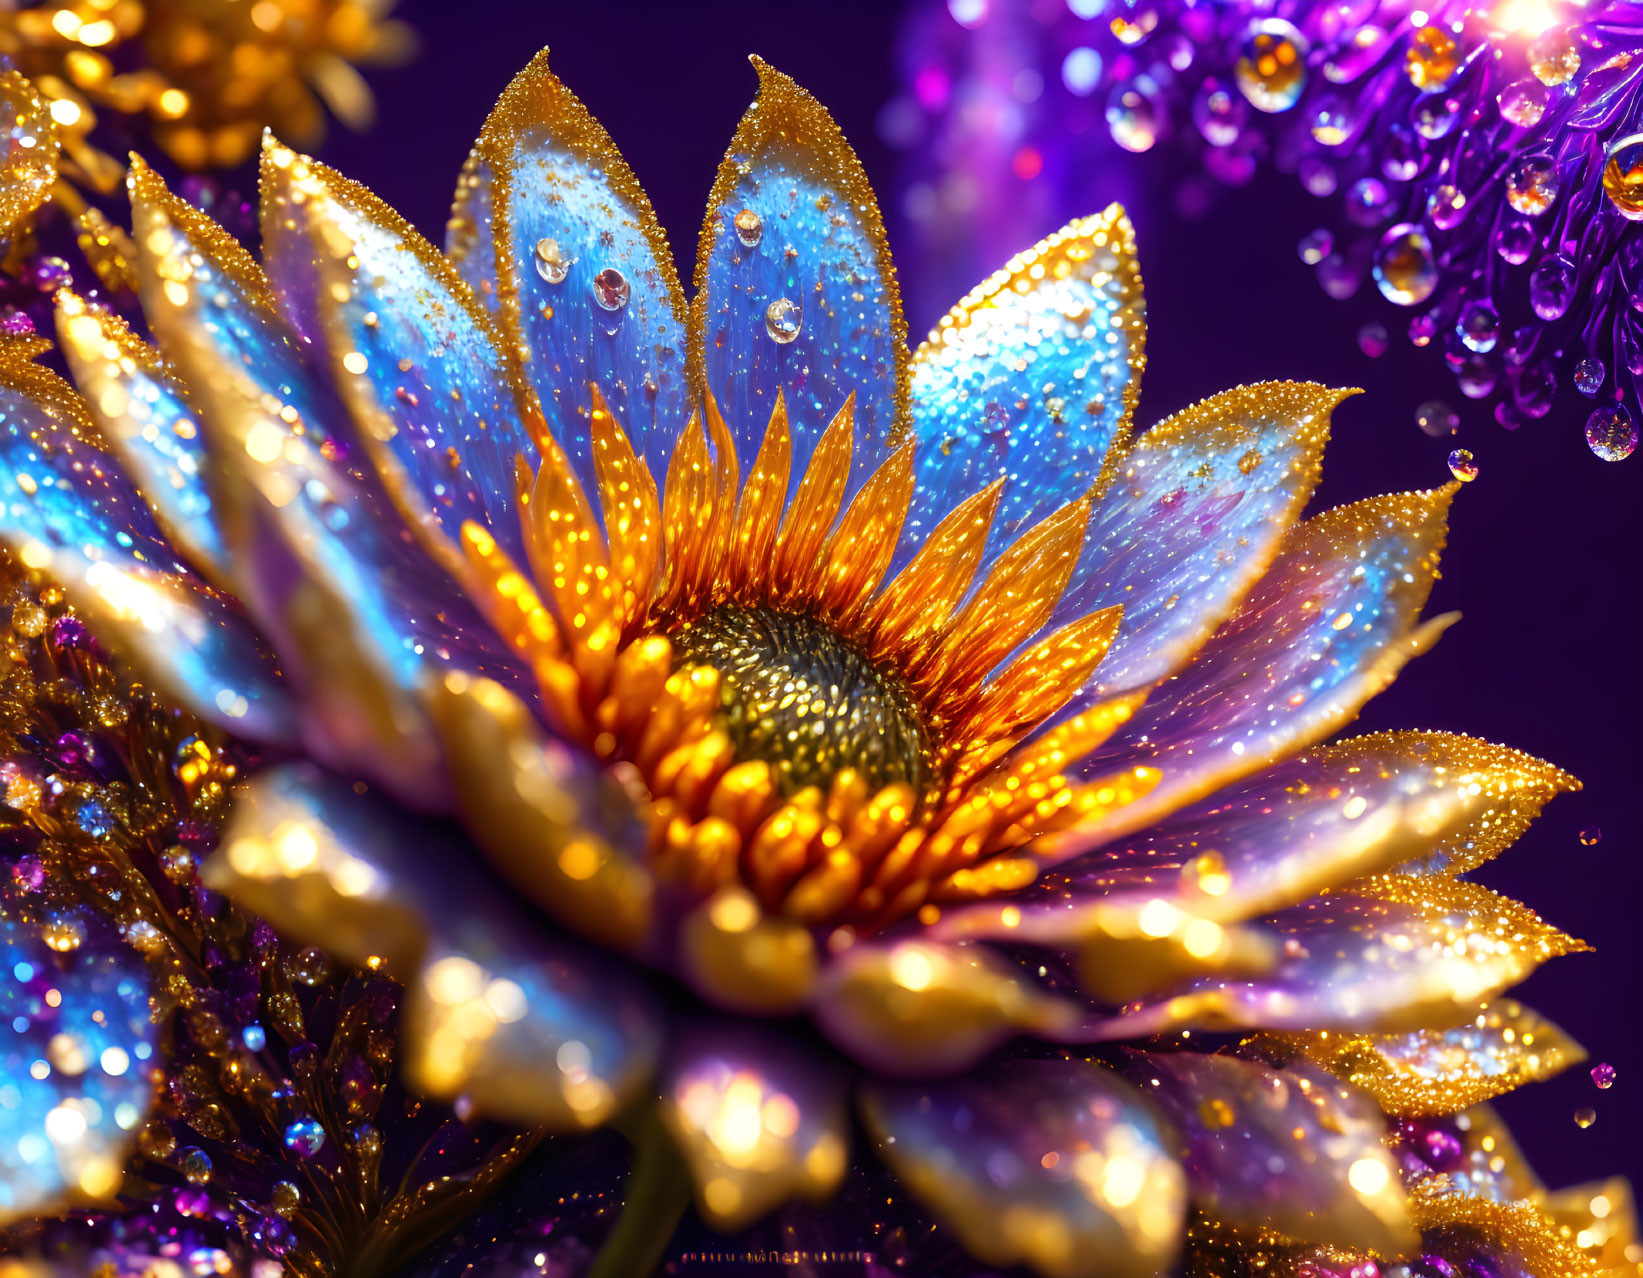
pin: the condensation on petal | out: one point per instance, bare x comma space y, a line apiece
1327, 627
758, 1119
1441, 1071
144, 418
416, 360
585, 285
912, 1007
1388, 955
1305, 825
1033, 377
29, 167
1294, 1151
75, 1069
1059, 1165
1197, 511
69, 509
795, 291
533, 1027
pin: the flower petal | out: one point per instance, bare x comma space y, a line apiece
1294, 1150
74, 1070
1305, 825
912, 1007
1033, 375
70, 510
1388, 955
1196, 513
758, 1118
1059, 1165
1329, 625
586, 289
140, 409
535, 1029
416, 360
1442, 1071
808, 251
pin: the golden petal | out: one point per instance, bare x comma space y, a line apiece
814, 507
759, 509
633, 517
863, 544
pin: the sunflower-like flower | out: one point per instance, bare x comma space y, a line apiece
713, 715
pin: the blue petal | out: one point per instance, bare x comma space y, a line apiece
1033, 376
74, 1070
69, 509
470, 235
565, 212
818, 255
415, 359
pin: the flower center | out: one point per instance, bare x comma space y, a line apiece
797, 695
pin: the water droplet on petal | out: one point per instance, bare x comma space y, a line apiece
1432, 59
1532, 185
782, 320
1603, 1075
1446, 206
1478, 327
1515, 241
749, 228
1134, 116
285, 1198
1554, 58
304, 1137
1585, 1117
195, 1165
1552, 286
551, 264
1463, 466
1589, 374
1271, 68
1611, 432
1623, 176
1437, 419
1590, 837
1404, 267
610, 289
1219, 114
1523, 102
1435, 117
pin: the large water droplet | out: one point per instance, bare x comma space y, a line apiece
1134, 116
1533, 184
1404, 268
782, 320
1589, 374
551, 262
1590, 837
1523, 102
1271, 68
305, 1137
1585, 1116
1219, 113
1368, 202
1437, 419
1603, 1075
1554, 58
1515, 241
1435, 117
1432, 59
1463, 466
1478, 327
1552, 286
1611, 433
1623, 176
1446, 206
610, 289
1332, 122
749, 228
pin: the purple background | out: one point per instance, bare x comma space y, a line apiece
1542, 556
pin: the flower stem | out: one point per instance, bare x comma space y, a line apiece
658, 1192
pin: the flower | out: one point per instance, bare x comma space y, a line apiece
962, 719
1485, 154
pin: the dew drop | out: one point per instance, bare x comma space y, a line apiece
782, 320
1603, 1075
304, 1137
285, 1199
1611, 432
1479, 328
1432, 59
610, 289
1515, 241
551, 262
1315, 246
1623, 176
195, 1165
749, 228
1134, 114
1435, 117
1591, 836
1533, 184
1552, 286
1554, 58
1589, 374
1463, 466
1271, 70
1523, 102
1437, 419
1404, 266
1446, 206
1585, 1117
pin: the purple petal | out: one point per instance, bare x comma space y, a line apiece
1059, 1165
1294, 1150
585, 286
799, 296
1034, 375
1328, 626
